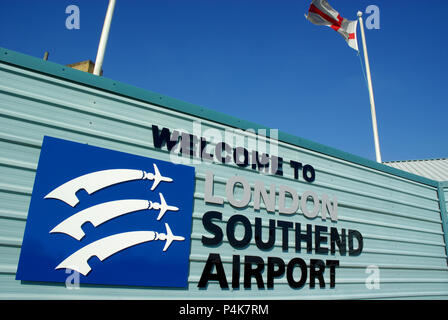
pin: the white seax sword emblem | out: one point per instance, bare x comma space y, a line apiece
98, 180
103, 212
106, 211
108, 246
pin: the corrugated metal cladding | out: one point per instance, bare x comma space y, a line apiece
445, 191
399, 219
436, 169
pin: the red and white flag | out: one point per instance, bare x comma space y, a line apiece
322, 14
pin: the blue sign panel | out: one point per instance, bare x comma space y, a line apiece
112, 217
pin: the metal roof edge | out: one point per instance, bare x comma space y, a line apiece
415, 160
99, 82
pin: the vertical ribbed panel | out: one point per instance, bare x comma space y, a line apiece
398, 218
445, 191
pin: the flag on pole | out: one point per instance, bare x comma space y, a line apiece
322, 14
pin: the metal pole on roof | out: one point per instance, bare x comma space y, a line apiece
369, 83
103, 40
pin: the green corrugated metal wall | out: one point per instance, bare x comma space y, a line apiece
399, 218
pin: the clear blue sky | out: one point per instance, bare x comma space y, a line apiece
261, 60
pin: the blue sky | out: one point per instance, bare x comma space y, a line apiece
262, 61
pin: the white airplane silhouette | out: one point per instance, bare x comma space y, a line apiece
169, 237
162, 206
157, 177
98, 180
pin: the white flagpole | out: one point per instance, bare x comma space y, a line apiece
103, 40
369, 82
